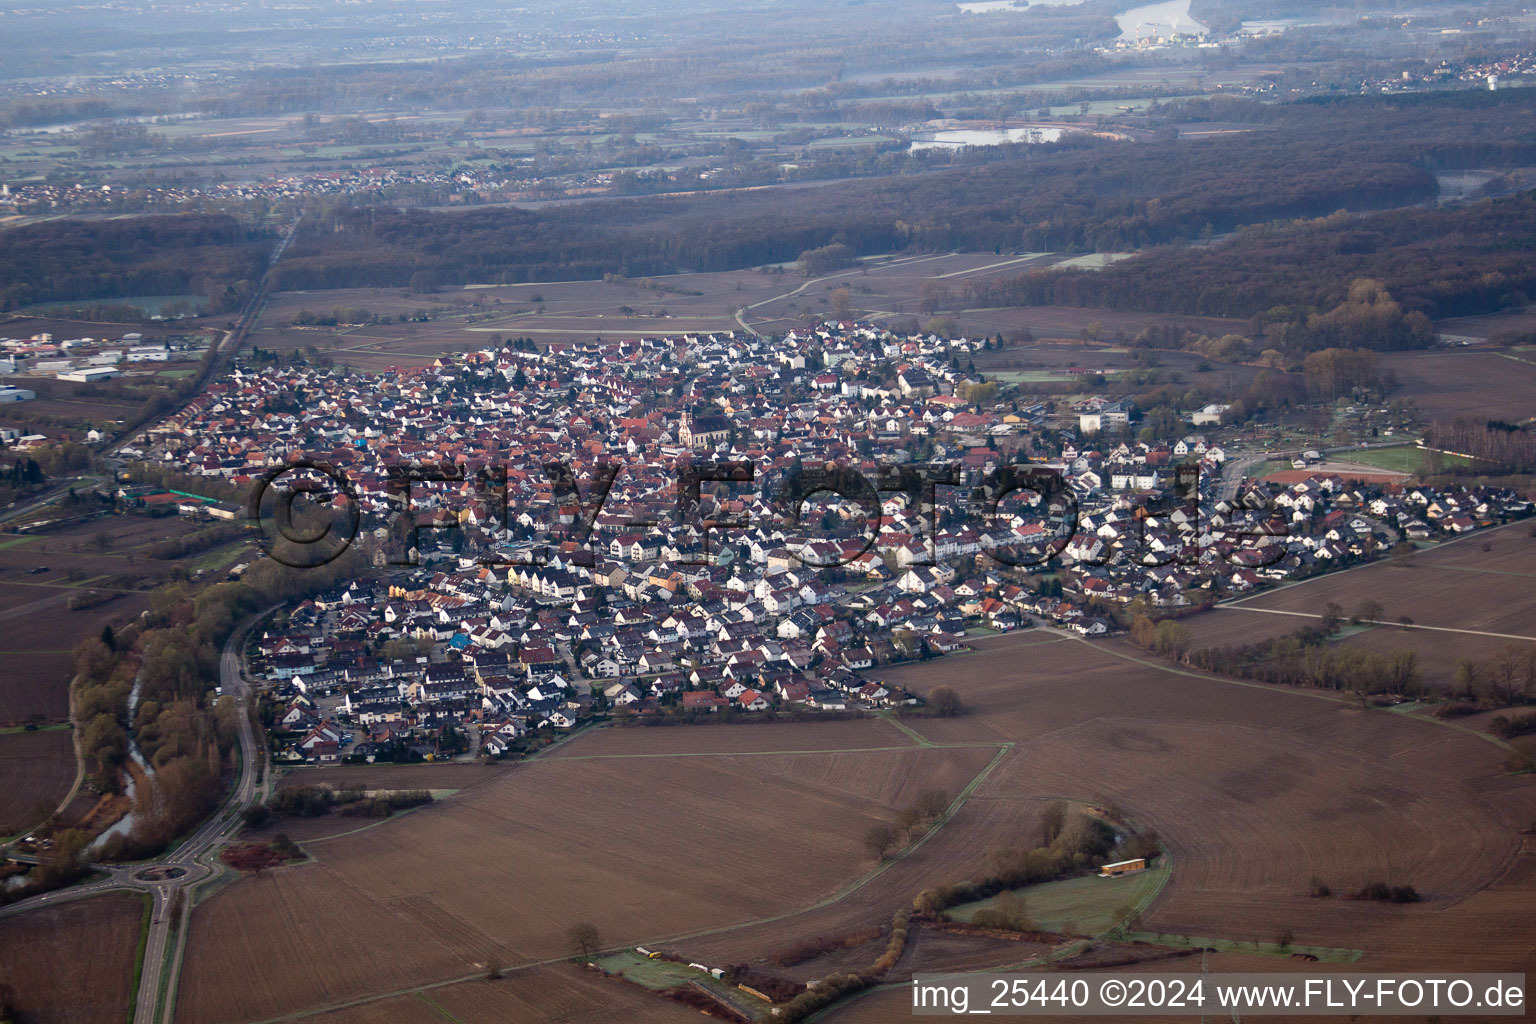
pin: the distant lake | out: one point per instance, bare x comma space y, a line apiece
961, 137
989, 6
1166, 18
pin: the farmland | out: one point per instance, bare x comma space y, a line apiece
36, 766
1254, 791
492, 875
1466, 382
1460, 600
73, 963
1458, 586
106, 556
771, 300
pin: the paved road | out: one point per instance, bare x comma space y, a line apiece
741, 314
1235, 468
49, 496
192, 861
205, 841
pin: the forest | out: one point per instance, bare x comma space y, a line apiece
1298, 160
169, 254
1301, 160
1436, 262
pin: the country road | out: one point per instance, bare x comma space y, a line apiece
182, 869
741, 314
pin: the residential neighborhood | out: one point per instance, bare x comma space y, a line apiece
529, 606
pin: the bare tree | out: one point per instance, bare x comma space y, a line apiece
945, 702
879, 840
1468, 679
932, 802
1508, 670
1367, 611
1052, 817
584, 938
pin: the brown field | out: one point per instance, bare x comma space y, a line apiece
1457, 586
411, 1009
73, 963
774, 300
465, 318
657, 837
645, 847
35, 766
1437, 652
1255, 790
35, 686
746, 737
37, 631
444, 775
563, 993
1488, 324
1449, 384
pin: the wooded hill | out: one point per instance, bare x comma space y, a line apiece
70, 260
1438, 262
1301, 160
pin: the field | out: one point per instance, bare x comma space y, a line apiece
1462, 602
1082, 906
442, 775
708, 841
73, 963
560, 993
644, 846
1404, 459
1256, 790
35, 766
1445, 385
37, 631
771, 300
1456, 586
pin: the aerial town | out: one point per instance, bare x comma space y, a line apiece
497, 629
585, 512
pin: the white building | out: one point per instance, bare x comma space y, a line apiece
1210, 416
89, 374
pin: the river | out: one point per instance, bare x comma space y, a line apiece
124, 825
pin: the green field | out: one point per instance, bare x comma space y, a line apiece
1040, 376
152, 305
1090, 904
1268, 466
660, 975
1327, 954
1404, 459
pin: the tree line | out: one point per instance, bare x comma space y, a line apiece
1308, 161
1305, 657
1506, 447
173, 655
166, 254
1297, 279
